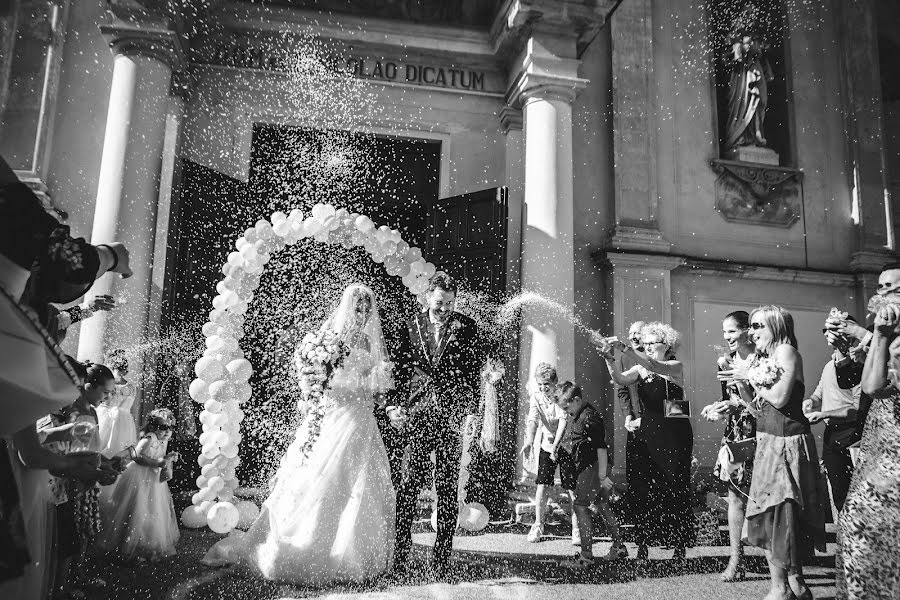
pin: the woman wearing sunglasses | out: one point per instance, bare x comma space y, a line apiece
740, 426
785, 512
661, 496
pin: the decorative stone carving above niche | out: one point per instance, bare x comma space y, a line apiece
758, 194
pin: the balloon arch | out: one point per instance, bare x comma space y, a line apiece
223, 374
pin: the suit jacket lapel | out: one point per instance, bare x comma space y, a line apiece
444, 339
421, 334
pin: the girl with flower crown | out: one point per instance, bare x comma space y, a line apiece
785, 511
139, 517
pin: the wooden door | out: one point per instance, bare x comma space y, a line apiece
467, 238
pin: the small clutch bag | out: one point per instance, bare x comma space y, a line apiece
741, 451
165, 472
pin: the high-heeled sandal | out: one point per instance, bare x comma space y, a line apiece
735, 571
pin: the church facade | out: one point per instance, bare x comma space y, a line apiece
607, 123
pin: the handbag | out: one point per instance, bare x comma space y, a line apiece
676, 409
165, 472
741, 451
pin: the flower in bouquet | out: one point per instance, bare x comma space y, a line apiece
317, 357
878, 301
764, 373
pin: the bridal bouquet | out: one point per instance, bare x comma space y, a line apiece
764, 373
317, 357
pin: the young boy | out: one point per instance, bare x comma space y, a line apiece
588, 439
545, 427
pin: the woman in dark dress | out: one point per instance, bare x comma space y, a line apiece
740, 425
662, 500
786, 508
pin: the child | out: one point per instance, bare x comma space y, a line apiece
544, 428
139, 521
588, 438
77, 501
117, 430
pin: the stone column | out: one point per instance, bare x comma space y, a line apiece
864, 122
545, 87
642, 291
128, 191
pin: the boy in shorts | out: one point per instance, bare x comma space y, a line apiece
593, 485
545, 428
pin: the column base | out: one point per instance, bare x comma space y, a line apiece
638, 238
871, 261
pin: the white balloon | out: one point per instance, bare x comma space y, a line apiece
222, 517
213, 406
247, 513
296, 215
264, 229
216, 483
199, 391
206, 470
244, 392
202, 480
474, 517
278, 216
282, 228
193, 518
205, 506
209, 369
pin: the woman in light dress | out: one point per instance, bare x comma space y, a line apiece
330, 516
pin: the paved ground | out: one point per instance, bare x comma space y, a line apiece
496, 564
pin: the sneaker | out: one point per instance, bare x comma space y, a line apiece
535, 533
579, 561
616, 552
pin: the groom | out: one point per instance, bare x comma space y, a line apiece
437, 383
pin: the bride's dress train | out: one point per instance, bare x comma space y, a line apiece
332, 518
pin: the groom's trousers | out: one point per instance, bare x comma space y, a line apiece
445, 442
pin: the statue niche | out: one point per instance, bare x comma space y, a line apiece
748, 94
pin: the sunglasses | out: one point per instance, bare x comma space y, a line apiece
635, 339
756, 326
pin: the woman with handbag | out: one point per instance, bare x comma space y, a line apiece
786, 508
735, 462
662, 496
139, 517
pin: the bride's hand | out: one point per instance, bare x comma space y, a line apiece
397, 415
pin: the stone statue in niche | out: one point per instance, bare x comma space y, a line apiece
747, 99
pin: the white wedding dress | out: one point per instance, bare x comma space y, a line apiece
331, 519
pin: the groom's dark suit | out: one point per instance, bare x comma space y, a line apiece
438, 377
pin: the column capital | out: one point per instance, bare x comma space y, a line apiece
870, 261
510, 118
159, 44
578, 19
644, 262
544, 79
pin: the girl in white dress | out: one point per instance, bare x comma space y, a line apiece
139, 517
330, 516
117, 429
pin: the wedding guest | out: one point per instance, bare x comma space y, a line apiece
37, 253
663, 513
139, 518
785, 512
117, 430
589, 453
838, 408
740, 434
870, 521
636, 456
544, 430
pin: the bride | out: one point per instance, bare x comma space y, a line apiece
330, 516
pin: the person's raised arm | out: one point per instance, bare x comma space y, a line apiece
628, 377
875, 371
778, 395
673, 369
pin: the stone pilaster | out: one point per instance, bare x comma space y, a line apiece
641, 291
634, 130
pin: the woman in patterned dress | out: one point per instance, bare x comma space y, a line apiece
741, 425
870, 521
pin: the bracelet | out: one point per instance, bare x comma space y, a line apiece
115, 256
